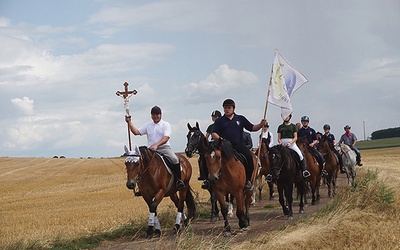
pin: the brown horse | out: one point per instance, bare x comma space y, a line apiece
265, 166
313, 167
227, 175
147, 169
331, 166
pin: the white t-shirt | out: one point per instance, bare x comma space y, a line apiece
265, 135
156, 131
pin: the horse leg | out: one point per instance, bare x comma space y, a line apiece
282, 200
240, 209
224, 210
229, 201
214, 207
153, 221
271, 191
289, 199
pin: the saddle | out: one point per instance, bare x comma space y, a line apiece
296, 157
241, 158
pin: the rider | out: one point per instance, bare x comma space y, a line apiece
202, 162
158, 134
230, 127
327, 136
350, 140
287, 136
309, 133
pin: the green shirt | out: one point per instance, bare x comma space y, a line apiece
287, 131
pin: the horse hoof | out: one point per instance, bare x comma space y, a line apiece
290, 217
214, 219
176, 228
313, 203
301, 211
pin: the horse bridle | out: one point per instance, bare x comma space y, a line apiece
197, 141
140, 165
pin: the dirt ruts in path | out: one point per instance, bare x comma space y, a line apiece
261, 221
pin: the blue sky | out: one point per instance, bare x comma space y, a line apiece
61, 63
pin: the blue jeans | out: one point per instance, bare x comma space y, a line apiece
357, 153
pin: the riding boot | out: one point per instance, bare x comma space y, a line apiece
202, 169
305, 172
248, 184
177, 173
358, 159
205, 184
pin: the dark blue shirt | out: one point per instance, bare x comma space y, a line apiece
307, 132
232, 130
330, 138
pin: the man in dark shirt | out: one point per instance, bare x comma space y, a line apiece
230, 127
327, 136
309, 133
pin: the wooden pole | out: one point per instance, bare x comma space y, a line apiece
126, 94
265, 115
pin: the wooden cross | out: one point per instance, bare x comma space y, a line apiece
126, 95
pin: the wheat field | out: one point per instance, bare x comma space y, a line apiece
46, 199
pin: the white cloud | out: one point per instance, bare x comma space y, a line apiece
24, 104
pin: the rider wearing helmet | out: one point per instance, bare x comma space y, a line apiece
202, 163
327, 136
309, 133
230, 127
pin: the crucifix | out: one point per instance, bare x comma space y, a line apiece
126, 95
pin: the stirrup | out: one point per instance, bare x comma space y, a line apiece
359, 164
324, 172
306, 174
180, 185
138, 193
268, 178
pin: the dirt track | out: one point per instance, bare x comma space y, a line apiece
261, 220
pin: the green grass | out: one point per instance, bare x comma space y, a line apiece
379, 143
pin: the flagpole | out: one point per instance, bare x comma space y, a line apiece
265, 112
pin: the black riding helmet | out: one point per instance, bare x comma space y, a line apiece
216, 113
228, 102
326, 126
305, 118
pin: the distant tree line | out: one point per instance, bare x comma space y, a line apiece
386, 133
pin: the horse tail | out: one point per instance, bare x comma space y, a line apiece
302, 186
190, 203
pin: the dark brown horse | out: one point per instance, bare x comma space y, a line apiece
284, 163
331, 166
312, 166
265, 166
147, 169
227, 175
197, 142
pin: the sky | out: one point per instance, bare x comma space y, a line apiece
61, 63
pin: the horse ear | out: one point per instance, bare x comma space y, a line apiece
137, 149
189, 127
197, 126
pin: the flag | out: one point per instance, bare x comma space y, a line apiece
285, 80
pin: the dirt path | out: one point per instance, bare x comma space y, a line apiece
261, 221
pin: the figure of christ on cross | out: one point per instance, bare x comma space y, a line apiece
126, 94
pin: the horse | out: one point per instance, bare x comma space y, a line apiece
265, 167
227, 175
146, 168
285, 166
331, 166
349, 161
312, 166
197, 142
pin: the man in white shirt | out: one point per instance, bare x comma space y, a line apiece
158, 134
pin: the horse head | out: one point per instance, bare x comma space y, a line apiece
278, 156
193, 139
218, 154
132, 163
302, 143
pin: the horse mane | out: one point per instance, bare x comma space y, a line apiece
225, 146
266, 141
145, 152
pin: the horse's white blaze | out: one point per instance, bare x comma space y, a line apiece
212, 154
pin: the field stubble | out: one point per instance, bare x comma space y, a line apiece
47, 199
